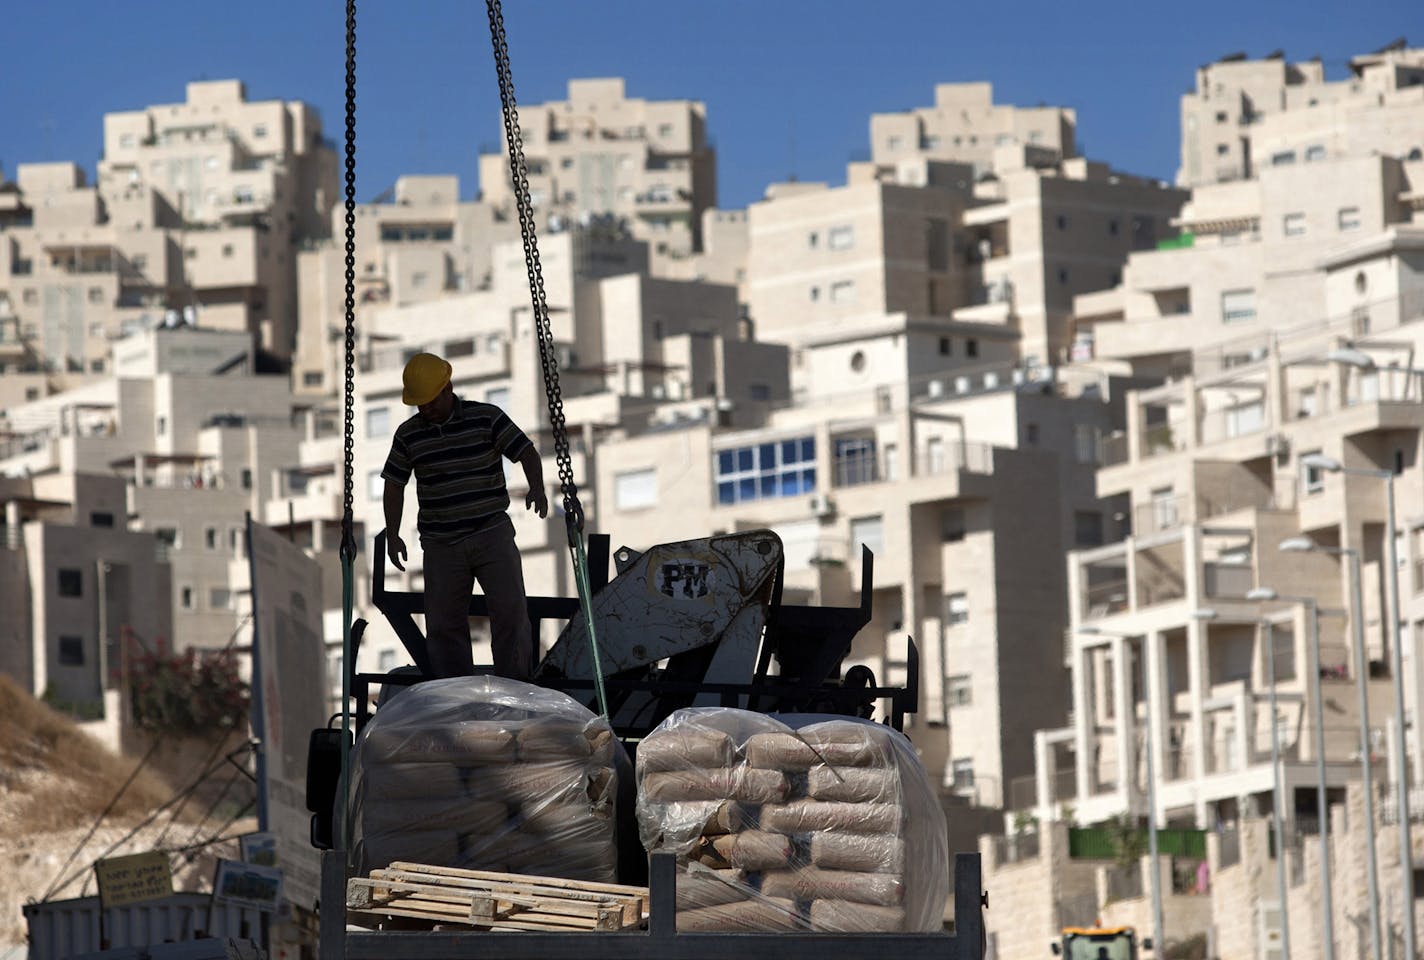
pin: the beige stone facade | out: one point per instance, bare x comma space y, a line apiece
599, 152
1247, 115
197, 214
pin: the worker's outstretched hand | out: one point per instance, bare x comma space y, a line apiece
538, 501
395, 548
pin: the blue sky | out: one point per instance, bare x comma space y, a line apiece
789, 85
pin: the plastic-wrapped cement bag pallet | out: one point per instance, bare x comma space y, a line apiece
484, 773
794, 822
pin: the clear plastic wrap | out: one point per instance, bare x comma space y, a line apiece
486, 773
793, 822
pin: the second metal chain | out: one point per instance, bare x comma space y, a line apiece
573, 511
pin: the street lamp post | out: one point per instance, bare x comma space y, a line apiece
1321, 802
1159, 943
1396, 653
1306, 545
1277, 808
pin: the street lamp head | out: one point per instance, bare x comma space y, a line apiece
1259, 594
1298, 545
1319, 461
1351, 357
1204, 613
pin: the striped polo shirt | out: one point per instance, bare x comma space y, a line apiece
458, 474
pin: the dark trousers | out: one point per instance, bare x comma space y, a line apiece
451, 570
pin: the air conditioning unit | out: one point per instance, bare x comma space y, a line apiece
822, 506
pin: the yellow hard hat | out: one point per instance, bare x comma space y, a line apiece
424, 377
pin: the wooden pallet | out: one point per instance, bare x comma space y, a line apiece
494, 901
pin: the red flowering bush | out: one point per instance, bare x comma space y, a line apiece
188, 692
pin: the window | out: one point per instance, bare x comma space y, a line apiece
498, 397
841, 238
160, 426
1221, 116
857, 361
1031, 434
1062, 222
71, 651
1349, 218
952, 525
101, 519
1085, 443
259, 131
636, 489
246, 478
1222, 149
815, 294
242, 194
126, 141
210, 538
895, 143
783, 468
234, 539
813, 239
956, 608
664, 129
219, 598
867, 532
1063, 276
1238, 306
375, 486
139, 261
971, 347
962, 772
168, 536
96, 366
378, 422
1088, 528
946, 347
1282, 158
386, 661
418, 279
843, 291
185, 598
96, 294
311, 378
759, 391
1314, 153
1294, 224
71, 582
1312, 477
958, 690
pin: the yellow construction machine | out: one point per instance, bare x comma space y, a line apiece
1099, 943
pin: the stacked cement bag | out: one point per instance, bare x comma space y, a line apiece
487, 774
793, 823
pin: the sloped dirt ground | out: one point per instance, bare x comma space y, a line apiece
55, 781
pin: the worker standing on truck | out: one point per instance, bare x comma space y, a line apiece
454, 446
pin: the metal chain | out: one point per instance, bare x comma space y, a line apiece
348, 532
573, 511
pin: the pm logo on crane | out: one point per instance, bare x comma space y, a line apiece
684, 579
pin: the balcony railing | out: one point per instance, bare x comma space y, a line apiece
935, 459
857, 469
1227, 579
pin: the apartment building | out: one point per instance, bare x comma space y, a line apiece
418, 243
74, 580
1244, 115
1000, 258
197, 211
1250, 257
649, 162
965, 126
195, 437
1209, 475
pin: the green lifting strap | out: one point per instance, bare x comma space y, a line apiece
585, 592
